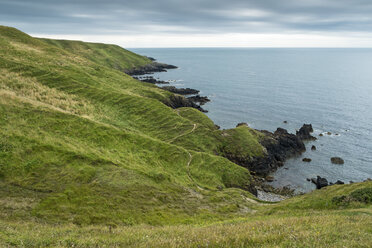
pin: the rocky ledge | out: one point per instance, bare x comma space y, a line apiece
149, 69
279, 146
181, 91
177, 101
151, 80
305, 132
199, 99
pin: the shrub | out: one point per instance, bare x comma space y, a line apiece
359, 196
362, 195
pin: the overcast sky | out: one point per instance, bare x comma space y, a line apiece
196, 23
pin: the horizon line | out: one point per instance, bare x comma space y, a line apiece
201, 47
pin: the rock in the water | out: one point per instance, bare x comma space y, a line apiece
339, 182
285, 122
308, 179
307, 160
321, 135
337, 160
305, 132
320, 182
329, 133
270, 178
199, 99
150, 58
313, 148
242, 124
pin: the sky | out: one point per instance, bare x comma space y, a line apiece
196, 23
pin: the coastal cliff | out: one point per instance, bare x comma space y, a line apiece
90, 156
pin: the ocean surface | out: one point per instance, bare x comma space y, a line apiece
329, 88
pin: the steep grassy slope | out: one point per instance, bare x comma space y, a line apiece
97, 146
84, 148
112, 56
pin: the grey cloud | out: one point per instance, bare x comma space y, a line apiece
192, 16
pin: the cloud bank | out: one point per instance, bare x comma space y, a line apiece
196, 22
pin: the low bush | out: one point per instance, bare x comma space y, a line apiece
358, 196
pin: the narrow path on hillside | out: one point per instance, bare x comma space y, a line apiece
189, 173
190, 156
178, 136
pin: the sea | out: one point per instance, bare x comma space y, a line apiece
331, 88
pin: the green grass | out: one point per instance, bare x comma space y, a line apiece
100, 146
85, 147
333, 229
102, 54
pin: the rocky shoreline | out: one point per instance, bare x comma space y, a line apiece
280, 145
186, 97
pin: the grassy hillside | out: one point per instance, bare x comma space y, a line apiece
84, 147
112, 56
272, 225
93, 144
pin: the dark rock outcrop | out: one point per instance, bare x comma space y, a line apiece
337, 160
199, 99
279, 145
307, 160
313, 148
151, 80
270, 178
252, 188
181, 91
305, 132
242, 124
150, 58
149, 68
339, 182
177, 101
320, 182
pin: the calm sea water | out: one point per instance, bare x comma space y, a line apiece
330, 88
